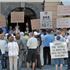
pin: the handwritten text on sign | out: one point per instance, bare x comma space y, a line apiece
17, 17
46, 19
58, 50
35, 23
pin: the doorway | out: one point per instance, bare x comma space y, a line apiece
29, 14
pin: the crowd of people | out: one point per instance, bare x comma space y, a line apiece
31, 48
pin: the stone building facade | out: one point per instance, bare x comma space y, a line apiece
31, 9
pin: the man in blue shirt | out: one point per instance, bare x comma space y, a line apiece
47, 40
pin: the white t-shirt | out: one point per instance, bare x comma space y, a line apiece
13, 49
32, 43
3, 46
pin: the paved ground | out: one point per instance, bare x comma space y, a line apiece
47, 67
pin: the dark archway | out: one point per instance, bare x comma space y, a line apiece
29, 14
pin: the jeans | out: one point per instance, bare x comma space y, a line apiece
3, 61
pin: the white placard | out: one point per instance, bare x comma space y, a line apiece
2, 21
35, 23
59, 50
46, 19
17, 17
63, 23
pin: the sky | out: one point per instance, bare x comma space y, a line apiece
66, 2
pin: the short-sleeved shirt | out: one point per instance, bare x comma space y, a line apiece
13, 49
3, 46
32, 43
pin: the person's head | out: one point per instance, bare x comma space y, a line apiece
10, 37
58, 38
48, 31
1, 34
31, 34
1, 30
17, 36
26, 34
36, 34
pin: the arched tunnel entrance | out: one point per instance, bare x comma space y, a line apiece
29, 14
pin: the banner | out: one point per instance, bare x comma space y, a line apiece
63, 23
2, 21
17, 17
46, 19
35, 23
58, 50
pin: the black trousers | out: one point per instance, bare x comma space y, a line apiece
68, 59
47, 56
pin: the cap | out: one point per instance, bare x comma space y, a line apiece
36, 33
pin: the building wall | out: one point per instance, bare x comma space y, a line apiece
0, 8
52, 6
7, 7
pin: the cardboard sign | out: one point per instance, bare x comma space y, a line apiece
46, 19
63, 10
63, 23
17, 17
35, 23
58, 50
2, 21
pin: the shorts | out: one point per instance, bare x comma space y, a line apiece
59, 61
31, 56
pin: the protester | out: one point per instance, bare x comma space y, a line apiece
47, 40
32, 45
68, 42
59, 33
13, 51
58, 61
43, 33
22, 48
3, 47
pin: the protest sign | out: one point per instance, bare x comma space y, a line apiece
17, 17
58, 50
35, 23
46, 19
63, 23
2, 21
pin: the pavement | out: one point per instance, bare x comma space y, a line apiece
47, 67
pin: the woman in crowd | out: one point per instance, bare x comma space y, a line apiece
13, 51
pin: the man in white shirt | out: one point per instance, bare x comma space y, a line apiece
32, 45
